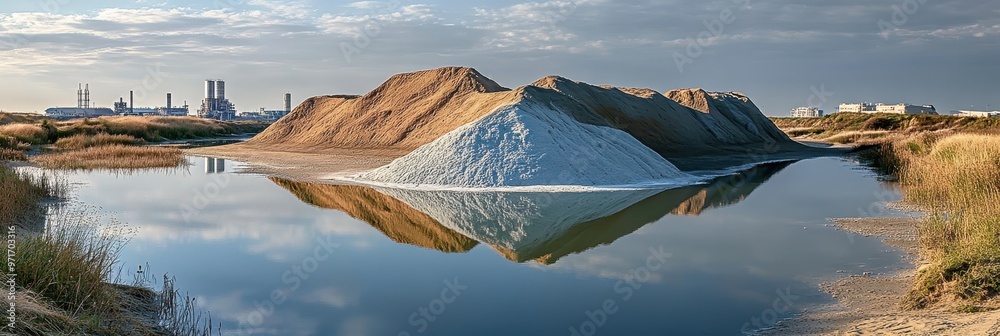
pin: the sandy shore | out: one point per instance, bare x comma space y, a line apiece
314, 166
870, 305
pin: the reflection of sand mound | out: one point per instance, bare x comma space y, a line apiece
396, 220
524, 226
413, 109
516, 220
729, 190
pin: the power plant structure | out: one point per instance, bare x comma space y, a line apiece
271, 115
215, 105
82, 109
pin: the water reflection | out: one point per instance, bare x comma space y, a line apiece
215, 165
523, 226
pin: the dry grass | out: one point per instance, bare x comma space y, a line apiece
846, 127
113, 157
29, 133
20, 118
81, 141
957, 178
156, 128
21, 194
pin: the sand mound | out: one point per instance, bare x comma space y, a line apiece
530, 143
729, 115
413, 109
405, 112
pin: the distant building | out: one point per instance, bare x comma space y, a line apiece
268, 115
977, 114
82, 109
901, 108
215, 105
857, 107
807, 112
77, 112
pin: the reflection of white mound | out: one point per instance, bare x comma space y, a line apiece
530, 143
516, 220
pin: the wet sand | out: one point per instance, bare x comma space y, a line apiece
869, 305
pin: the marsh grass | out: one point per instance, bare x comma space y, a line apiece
860, 127
29, 133
957, 179
81, 141
113, 157
21, 194
156, 128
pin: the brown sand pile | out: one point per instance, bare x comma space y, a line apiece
413, 109
395, 219
405, 112
731, 111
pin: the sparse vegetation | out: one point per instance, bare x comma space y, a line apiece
866, 127
18, 132
156, 128
957, 179
21, 194
81, 141
112, 157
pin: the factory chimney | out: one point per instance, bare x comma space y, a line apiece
79, 95
86, 96
288, 102
131, 103
168, 102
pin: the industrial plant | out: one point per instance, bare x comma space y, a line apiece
214, 106
82, 109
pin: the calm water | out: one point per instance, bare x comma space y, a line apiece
275, 257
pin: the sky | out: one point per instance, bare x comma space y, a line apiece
781, 53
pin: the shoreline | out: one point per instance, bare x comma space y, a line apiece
870, 304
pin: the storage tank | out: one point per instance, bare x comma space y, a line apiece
210, 89
220, 89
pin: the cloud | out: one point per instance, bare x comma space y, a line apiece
300, 42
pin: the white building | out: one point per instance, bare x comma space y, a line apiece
807, 112
978, 114
857, 107
903, 108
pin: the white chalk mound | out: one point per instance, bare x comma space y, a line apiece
528, 143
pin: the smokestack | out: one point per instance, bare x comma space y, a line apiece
210, 89
86, 96
131, 103
220, 89
168, 101
288, 102
79, 95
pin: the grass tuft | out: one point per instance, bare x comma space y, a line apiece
113, 157
81, 141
